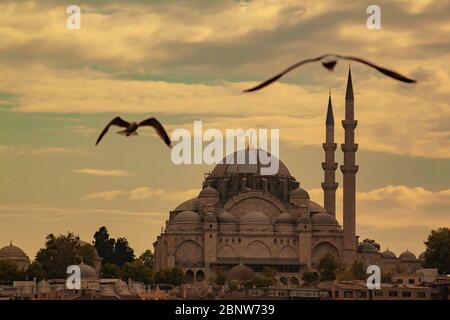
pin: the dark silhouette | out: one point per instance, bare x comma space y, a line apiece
329, 65
131, 127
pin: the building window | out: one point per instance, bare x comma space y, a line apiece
393, 294
363, 294
406, 294
336, 294
348, 294
210, 236
421, 294
411, 281
400, 281
210, 226
378, 293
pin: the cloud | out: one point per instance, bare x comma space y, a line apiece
29, 151
144, 193
104, 173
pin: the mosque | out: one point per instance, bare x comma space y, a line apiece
243, 221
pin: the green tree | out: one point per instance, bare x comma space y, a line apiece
122, 252
358, 271
147, 258
137, 271
60, 252
310, 277
219, 277
327, 267
173, 276
35, 271
9, 272
104, 245
437, 254
110, 270
375, 244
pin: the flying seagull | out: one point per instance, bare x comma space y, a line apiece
329, 65
130, 128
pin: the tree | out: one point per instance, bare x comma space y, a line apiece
104, 245
60, 252
147, 258
374, 243
137, 271
122, 252
9, 272
219, 278
310, 277
173, 276
327, 267
110, 270
35, 271
358, 271
437, 254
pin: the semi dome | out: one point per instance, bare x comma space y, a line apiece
241, 273
315, 207
285, 218
367, 247
242, 161
407, 256
187, 217
256, 217
191, 205
299, 193
226, 217
323, 218
304, 219
388, 254
209, 192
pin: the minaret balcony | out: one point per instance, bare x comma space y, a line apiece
329, 186
352, 169
349, 147
329, 166
329, 146
349, 124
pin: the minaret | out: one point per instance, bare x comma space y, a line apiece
329, 167
349, 170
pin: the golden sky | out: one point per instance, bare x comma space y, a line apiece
190, 60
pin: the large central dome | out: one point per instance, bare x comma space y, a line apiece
247, 161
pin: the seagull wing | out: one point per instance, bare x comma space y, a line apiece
389, 73
152, 122
278, 76
117, 121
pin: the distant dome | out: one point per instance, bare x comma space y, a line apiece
256, 217
87, 272
121, 288
285, 218
388, 254
241, 273
323, 218
12, 252
240, 162
299, 193
315, 207
304, 219
209, 217
43, 287
187, 217
407, 256
367, 247
209, 192
188, 205
226, 217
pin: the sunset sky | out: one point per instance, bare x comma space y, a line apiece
190, 60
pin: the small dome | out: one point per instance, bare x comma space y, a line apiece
12, 251
188, 205
315, 207
323, 218
43, 287
187, 217
299, 193
209, 192
210, 217
388, 254
407, 256
304, 219
241, 273
226, 217
285, 218
121, 288
256, 217
367, 247
87, 272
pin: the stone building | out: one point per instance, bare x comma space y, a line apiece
244, 217
14, 254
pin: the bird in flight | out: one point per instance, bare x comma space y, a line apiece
131, 128
329, 61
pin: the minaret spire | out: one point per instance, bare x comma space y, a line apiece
329, 167
349, 170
